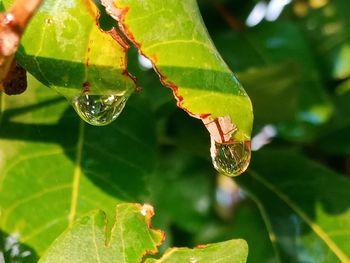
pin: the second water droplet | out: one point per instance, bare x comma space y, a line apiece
99, 110
231, 159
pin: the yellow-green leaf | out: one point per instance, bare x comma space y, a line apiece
173, 36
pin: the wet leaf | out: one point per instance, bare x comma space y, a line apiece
172, 35
54, 168
306, 206
65, 49
233, 251
130, 239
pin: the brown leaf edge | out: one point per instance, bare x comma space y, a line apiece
92, 7
197, 248
147, 211
119, 13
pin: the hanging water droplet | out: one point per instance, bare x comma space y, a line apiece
99, 110
230, 158
230, 155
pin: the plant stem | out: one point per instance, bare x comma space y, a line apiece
23, 10
12, 25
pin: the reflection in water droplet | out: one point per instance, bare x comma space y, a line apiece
99, 110
230, 158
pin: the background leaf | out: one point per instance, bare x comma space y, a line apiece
305, 203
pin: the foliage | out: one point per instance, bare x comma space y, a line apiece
292, 205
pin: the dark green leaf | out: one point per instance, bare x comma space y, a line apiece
306, 205
334, 138
273, 92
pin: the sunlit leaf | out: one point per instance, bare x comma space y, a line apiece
131, 238
172, 35
65, 49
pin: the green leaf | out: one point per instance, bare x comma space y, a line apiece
131, 238
172, 35
65, 49
55, 168
306, 206
233, 251
273, 92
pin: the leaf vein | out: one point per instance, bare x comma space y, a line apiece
315, 227
76, 175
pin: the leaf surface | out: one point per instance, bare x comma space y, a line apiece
233, 251
172, 35
55, 168
130, 239
65, 49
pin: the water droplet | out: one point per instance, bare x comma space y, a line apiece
231, 158
99, 110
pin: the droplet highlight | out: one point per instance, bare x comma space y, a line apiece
99, 110
231, 158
